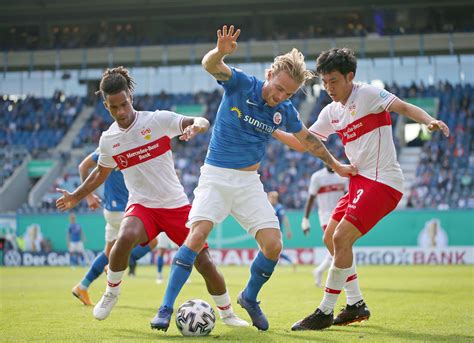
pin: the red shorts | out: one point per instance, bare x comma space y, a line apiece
366, 203
172, 221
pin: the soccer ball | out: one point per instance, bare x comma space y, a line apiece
195, 318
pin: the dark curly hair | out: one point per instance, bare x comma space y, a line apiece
342, 60
116, 80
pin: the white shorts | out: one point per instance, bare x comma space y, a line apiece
164, 242
112, 227
223, 191
76, 247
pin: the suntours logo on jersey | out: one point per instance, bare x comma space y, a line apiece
257, 124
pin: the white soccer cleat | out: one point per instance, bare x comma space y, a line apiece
233, 320
105, 305
318, 277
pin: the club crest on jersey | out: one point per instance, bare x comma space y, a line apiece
277, 118
123, 161
146, 133
352, 110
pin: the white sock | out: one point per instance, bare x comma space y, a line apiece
352, 289
334, 284
325, 264
223, 304
114, 279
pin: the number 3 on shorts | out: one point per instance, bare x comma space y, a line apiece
359, 194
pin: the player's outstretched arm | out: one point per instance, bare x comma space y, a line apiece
314, 146
290, 140
192, 127
213, 61
88, 163
305, 225
419, 115
95, 179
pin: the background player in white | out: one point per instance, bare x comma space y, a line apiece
326, 187
249, 113
138, 142
359, 114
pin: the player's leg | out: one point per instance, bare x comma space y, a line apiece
160, 262
132, 232
181, 268
216, 287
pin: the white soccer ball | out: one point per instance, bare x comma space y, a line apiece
195, 318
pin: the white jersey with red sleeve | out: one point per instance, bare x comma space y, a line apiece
143, 153
365, 128
328, 188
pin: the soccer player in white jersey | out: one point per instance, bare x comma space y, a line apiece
249, 113
360, 115
326, 187
138, 143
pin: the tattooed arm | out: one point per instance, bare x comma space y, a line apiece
315, 147
213, 61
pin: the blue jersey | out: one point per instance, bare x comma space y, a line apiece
115, 191
280, 213
75, 231
244, 123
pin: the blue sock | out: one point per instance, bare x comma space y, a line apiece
180, 270
95, 270
285, 257
159, 263
260, 272
138, 252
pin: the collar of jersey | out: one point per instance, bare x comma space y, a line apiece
256, 96
131, 125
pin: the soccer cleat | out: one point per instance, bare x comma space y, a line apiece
105, 305
317, 320
82, 295
233, 320
353, 314
161, 321
318, 277
253, 309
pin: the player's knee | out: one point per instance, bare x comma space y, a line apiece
272, 249
196, 239
340, 241
127, 236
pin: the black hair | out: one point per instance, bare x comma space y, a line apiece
341, 60
116, 80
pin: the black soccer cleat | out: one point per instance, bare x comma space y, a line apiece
353, 314
317, 320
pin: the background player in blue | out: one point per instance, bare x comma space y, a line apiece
283, 220
250, 111
75, 242
115, 201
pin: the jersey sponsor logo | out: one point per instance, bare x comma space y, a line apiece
257, 124
146, 133
337, 187
364, 125
335, 121
142, 153
277, 118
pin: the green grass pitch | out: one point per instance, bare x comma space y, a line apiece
408, 303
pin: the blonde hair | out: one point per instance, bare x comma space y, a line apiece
293, 63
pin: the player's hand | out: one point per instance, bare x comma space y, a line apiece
305, 226
189, 132
93, 201
436, 125
345, 170
66, 201
227, 39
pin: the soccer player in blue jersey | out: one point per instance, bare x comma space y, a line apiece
283, 220
115, 201
75, 241
250, 112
